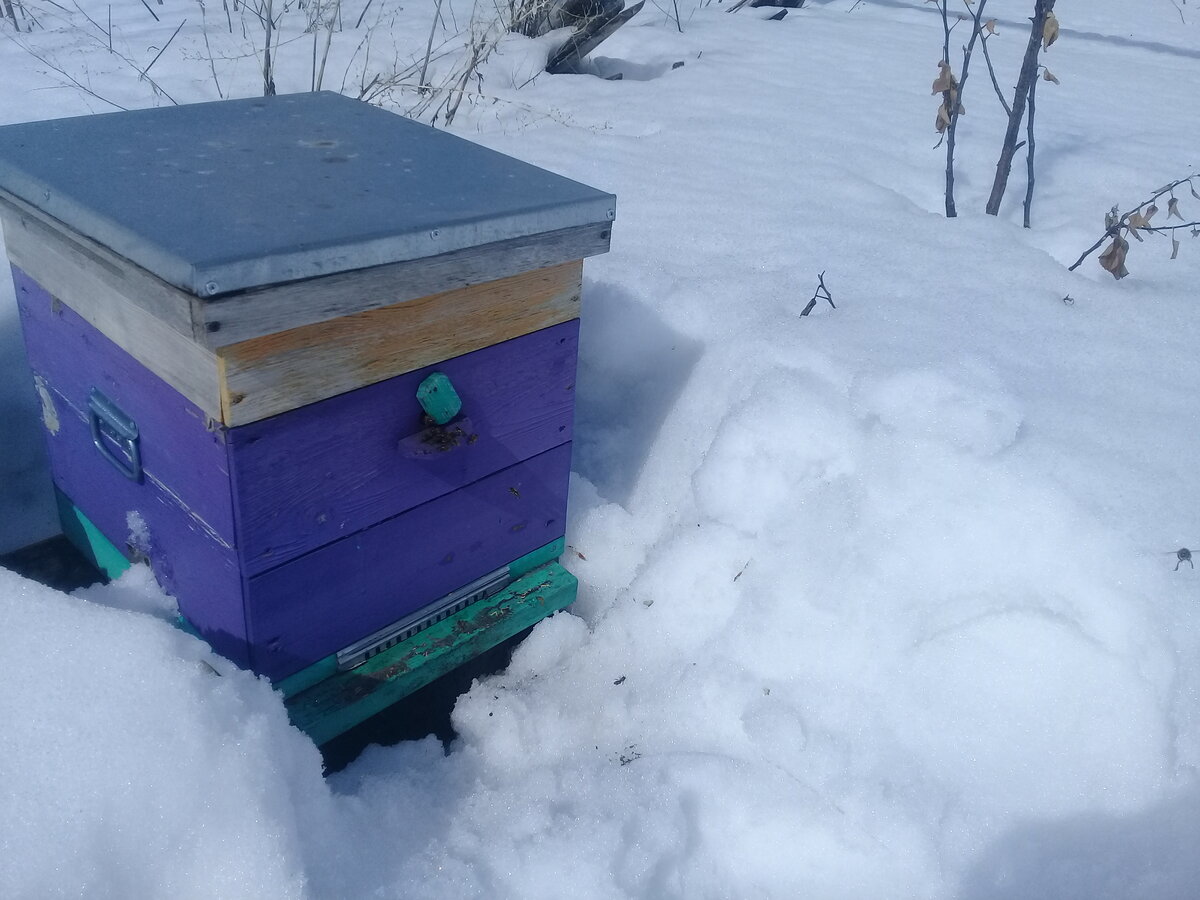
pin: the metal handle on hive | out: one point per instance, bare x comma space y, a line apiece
109, 421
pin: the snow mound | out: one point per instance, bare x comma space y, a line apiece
958, 406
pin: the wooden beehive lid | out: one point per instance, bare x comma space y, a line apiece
221, 198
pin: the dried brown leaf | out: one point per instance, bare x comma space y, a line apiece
1047, 75
943, 119
1173, 209
945, 80
1174, 248
1193, 190
990, 26
1049, 30
1149, 214
1112, 260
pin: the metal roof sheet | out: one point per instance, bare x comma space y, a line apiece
219, 197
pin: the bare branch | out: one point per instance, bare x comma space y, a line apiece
1028, 72
821, 293
1122, 221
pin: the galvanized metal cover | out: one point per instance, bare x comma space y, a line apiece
219, 197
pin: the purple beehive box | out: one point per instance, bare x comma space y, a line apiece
312, 361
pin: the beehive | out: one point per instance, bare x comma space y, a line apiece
314, 362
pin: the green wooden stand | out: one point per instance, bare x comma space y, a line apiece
324, 702
339, 702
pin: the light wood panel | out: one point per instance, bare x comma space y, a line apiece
251, 314
99, 292
279, 372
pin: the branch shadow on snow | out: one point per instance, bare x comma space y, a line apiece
632, 368
1095, 857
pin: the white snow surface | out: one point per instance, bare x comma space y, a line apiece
879, 602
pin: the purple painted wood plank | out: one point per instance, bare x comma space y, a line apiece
303, 611
321, 472
178, 450
188, 561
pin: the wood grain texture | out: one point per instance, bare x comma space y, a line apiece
320, 472
301, 612
340, 702
252, 314
107, 271
279, 372
178, 449
188, 561
148, 318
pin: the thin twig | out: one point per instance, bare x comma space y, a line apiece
268, 70
164, 49
992, 74
328, 40
429, 44
94, 23
955, 106
363, 13
12, 14
212, 66
65, 74
1029, 176
821, 293
1029, 66
1123, 220
149, 10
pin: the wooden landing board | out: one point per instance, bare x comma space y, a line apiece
279, 372
341, 702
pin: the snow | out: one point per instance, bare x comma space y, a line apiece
876, 602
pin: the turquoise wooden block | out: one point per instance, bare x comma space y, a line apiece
438, 398
86, 537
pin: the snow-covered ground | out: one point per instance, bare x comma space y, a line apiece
880, 602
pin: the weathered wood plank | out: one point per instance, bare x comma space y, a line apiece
118, 299
279, 372
251, 314
107, 271
177, 447
339, 703
304, 610
320, 472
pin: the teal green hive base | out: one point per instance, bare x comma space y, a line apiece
323, 702
343, 700
88, 540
